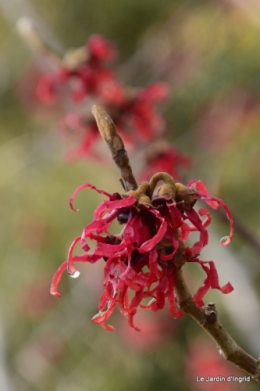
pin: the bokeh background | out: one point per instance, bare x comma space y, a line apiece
208, 52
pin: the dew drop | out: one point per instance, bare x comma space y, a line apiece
225, 240
76, 274
98, 315
153, 300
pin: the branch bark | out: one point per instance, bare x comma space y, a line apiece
206, 318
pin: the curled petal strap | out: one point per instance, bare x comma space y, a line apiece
226, 239
151, 243
202, 190
56, 279
102, 316
195, 220
114, 204
214, 203
84, 186
70, 264
211, 281
63, 267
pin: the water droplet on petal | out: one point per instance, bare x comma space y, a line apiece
153, 300
98, 315
76, 274
225, 240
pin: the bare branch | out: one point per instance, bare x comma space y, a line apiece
206, 317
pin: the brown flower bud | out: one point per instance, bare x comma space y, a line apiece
166, 191
187, 195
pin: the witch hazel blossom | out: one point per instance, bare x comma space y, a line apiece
135, 117
83, 73
87, 74
138, 114
141, 262
163, 158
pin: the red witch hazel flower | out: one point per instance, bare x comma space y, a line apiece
162, 156
142, 261
84, 73
137, 116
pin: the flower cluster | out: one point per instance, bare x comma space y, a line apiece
161, 156
85, 75
141, 262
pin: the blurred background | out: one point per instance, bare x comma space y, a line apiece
208, 52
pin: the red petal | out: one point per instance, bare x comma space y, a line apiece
185, 231
176, 217
108, 250
153, 265
150, 244
91, 258
102, 316
134, 280
123, 300
226, 239
203, 241
56, 279
115, 204
99, 226
135, 233
133, 308
64, 266
84, 186
86, 146
215, 203
205, 223
211, 281
70, 263
202, 190
154, 93
99, 48
158, 304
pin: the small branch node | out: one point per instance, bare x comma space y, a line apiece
210, 313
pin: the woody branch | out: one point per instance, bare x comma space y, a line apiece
205, 317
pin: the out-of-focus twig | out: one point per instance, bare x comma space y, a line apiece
31, 36
250, 8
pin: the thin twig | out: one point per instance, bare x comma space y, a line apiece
206, 317
35, 41
71, 59
109, 134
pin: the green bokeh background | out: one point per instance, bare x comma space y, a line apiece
208, 53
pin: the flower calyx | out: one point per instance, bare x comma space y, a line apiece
151, 193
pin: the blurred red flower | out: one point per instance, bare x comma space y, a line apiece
88, 77
155, 330
34, 301
210, 364
137, 115
164, 158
